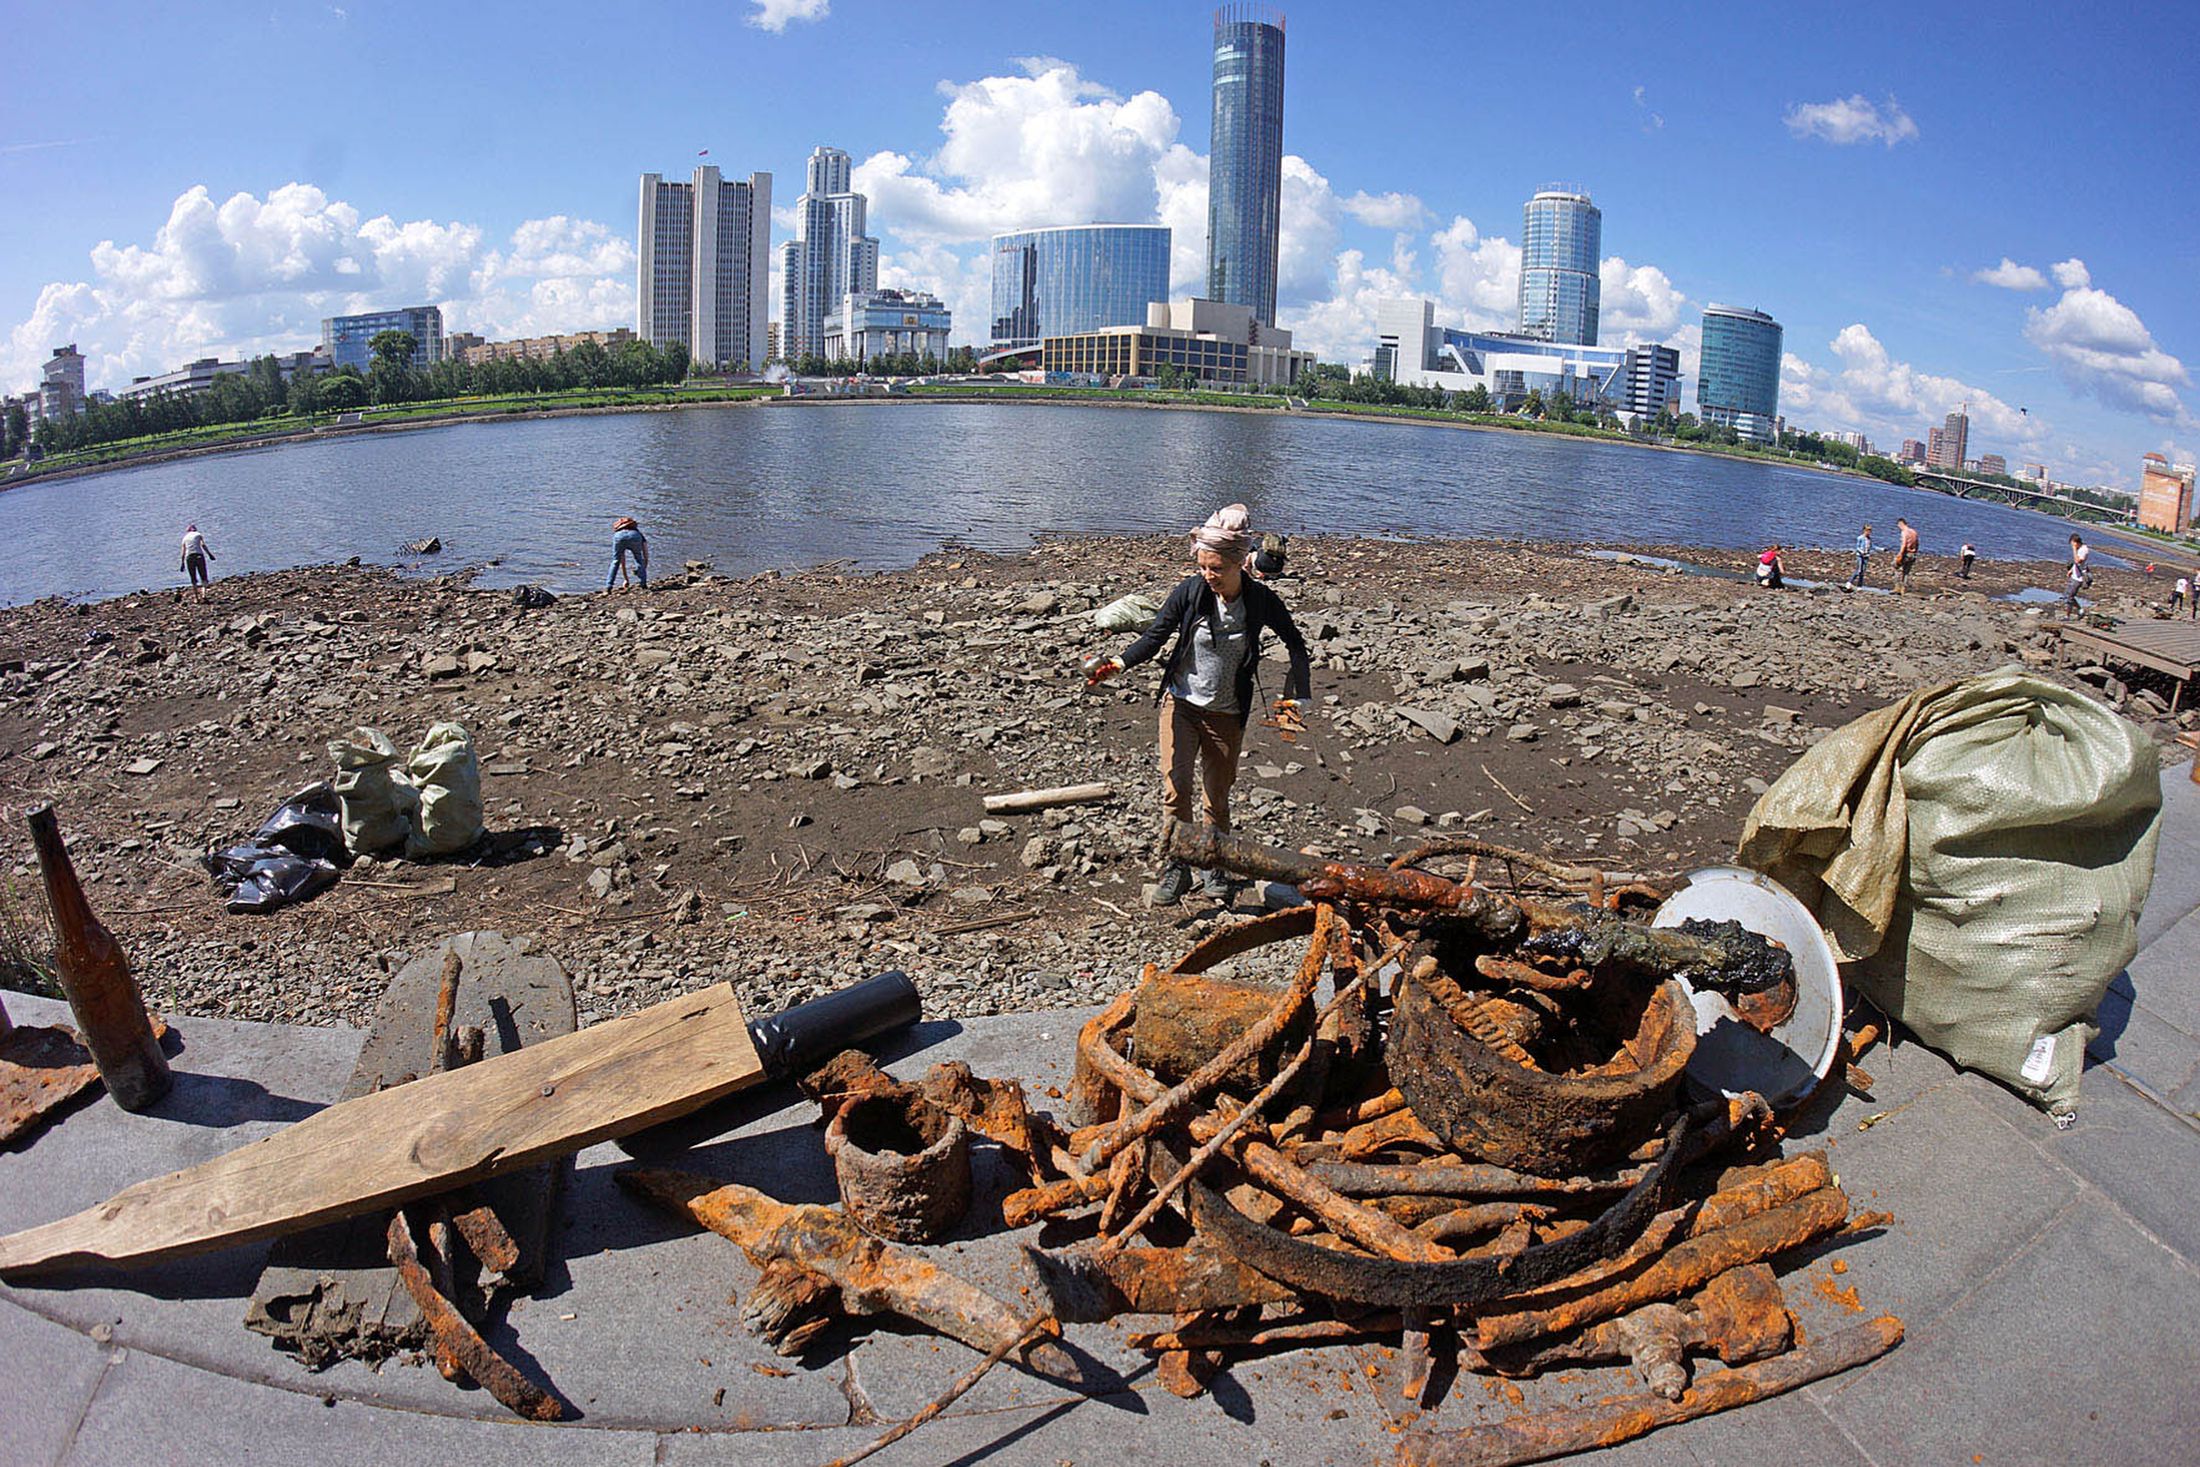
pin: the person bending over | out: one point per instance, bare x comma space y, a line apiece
627, 539
195, 557
1771, 570
1211, 625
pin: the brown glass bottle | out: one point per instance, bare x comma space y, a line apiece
95, 975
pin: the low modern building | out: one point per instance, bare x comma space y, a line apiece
1413, 350
1738, 375
1993, 463
196, 377
1075, 279
2165, 495
348, 339
1216, 343
475, 352
1652, 381
887, 323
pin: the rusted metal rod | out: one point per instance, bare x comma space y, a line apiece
458, 1340
1256, 1334
1462, 1179
1619, 1419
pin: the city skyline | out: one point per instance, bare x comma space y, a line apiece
1797, 184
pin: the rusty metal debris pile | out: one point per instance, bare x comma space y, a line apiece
1459, 1124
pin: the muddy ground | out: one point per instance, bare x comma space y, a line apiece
778, 780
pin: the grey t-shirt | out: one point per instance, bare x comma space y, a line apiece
1208, 678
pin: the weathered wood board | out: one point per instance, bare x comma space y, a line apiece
506, 1113
330, 1292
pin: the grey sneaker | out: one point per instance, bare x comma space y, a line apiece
1218, 883
1175, 880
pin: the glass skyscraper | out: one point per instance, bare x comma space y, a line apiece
1245, 166
1562, 239
1076, 277
1738, 380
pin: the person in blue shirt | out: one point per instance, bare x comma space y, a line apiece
1863, 556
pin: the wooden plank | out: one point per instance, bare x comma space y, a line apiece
2115, 648
440, 1132
331, 1292
1023, 800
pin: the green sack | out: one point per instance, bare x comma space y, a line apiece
377, 802
1978, 853
1130, 613
448, 777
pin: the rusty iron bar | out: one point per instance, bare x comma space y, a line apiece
458, 1340
1171, 1105
1463, 1179
1688, 1264
1482, 1218
1623, 1418
1084, 1285
873, 1277
1034, 1326
441, 1054
1740, 1317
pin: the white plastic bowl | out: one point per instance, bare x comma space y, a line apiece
1786, 1064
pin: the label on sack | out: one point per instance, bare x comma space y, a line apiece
2040, 1063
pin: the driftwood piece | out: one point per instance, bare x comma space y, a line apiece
1619, 1419
331, 1292
504, 1114
1023, 801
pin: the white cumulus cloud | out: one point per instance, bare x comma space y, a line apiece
254, 274
2071, 274
1637, 301
776, 15
2010, 275
2102, 349
1852, 119
1387, 211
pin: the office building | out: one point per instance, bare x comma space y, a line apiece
1245, 160
1913, 452
348, 340
887, 323
702, 266
829, 259
61, 383
457, 343
475, 352
1076, 278
2165, 495
1738, 376
772, 353
1216, 343
1562, 238
1652, 378
1993, 463
1949, 441
1413, 350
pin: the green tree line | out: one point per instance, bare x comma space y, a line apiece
259, 393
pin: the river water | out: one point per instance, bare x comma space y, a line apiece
755, 487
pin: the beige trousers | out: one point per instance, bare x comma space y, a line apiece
1211, 740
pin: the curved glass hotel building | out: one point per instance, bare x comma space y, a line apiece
1562, 237
1738, 381
1075, 278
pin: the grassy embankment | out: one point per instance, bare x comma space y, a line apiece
285, 428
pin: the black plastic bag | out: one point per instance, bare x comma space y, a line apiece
532, 598
290, 858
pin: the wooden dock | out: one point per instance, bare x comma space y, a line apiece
2168, 647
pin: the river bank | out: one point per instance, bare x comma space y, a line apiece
778, 780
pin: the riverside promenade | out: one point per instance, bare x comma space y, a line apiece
2050, 1282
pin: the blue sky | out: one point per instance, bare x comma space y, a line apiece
178, 181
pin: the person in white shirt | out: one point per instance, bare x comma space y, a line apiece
2080, 576
195, 557
2179, 598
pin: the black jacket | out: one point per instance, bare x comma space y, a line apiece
1192, 600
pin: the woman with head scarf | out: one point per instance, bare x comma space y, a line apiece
627, 539
1211, 623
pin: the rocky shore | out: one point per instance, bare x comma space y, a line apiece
778, 780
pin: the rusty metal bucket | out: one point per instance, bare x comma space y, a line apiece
903, 1165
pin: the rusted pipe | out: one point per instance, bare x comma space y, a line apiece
458, 1341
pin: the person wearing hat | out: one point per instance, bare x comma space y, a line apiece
1212, 625
626, 539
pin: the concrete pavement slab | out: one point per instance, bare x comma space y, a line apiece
46, 1384
2143, 1044
2144, 1158
2079, 1348
149, 1410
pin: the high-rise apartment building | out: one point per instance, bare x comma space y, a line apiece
1562, 238
1652, 375
1949, 440
1738, 377
1075, 278
1913, 452
1993, 463
703, 260
829, 259
1245, 160
349, 340
2165, 495
61, 383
